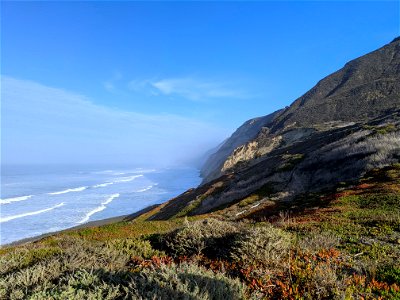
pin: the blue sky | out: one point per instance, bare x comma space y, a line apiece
120, 81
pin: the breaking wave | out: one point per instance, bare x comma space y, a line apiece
103, 184
99, 208
15, 199
146, 189
122, 179
79, 189
127, 179
6, 219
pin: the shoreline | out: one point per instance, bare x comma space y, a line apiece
97, 223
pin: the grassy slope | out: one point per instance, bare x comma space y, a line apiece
340, 245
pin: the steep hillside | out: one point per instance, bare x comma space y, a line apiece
348, 124
248, 131
365, 88
319, 162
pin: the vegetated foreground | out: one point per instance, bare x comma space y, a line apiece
340, 245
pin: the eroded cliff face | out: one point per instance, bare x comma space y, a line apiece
245, 133
345, 126
317, 162
365, 88
249, 153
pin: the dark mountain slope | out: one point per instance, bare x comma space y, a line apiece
364, 88
314, 165
348, 124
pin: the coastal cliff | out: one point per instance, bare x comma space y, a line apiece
365, 88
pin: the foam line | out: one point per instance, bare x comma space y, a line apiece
103, 184
127, 179
99, 208
15, 199
145, 189
32, 213
79, 189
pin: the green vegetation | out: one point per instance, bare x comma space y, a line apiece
96, 271
343, 245
266, 245
194, 204
290, 161
383, 129
249, 200
265, 191
191, 207
208, 236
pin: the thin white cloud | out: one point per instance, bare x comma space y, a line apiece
45, 124
143, 86
187, 88
110, 84
195, 89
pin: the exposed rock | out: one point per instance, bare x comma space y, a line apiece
348, 124
363, 89
248, 131
317, 163
250, 152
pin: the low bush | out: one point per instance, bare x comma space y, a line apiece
24, 257
389, 274
187, 281
134, 247
266, 245
323, 283
172, 281
211, 237
315, 241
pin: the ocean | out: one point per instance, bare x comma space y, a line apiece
41, 199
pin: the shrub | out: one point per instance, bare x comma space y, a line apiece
208, 236
81, 284
187, 281
316, 241
134, 247
264, 245
389, 274
77, 254
323, 283
22, 257
165, 282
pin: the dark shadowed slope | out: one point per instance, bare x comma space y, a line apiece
363, 89
348, 124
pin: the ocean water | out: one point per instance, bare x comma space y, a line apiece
41, 199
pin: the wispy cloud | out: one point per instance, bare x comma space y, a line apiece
143, 86
45, 124
110, 84
195, 89
189, 88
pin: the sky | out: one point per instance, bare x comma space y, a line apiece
162, 82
